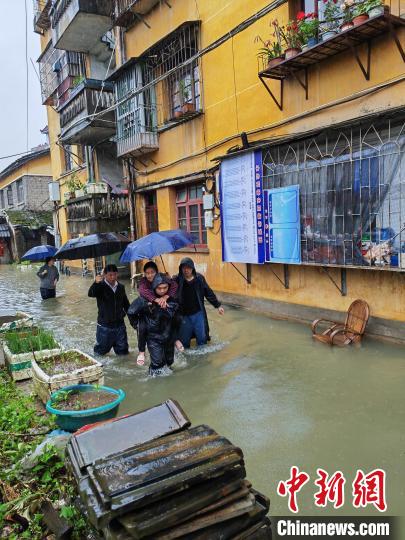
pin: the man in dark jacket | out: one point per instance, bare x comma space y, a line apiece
113, 304
156, 323
192, 291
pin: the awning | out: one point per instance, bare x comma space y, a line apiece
4, 230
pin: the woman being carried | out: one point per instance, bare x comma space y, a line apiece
157, 326
147, 292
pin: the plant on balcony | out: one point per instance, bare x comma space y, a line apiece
77, 80
346, 8
185, 94
74, 185
331, 15
271, 52
291, 35
367, 8
309, 28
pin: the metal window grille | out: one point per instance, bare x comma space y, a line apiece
10, 198
1, 199
190, 213
59, 71
352, 193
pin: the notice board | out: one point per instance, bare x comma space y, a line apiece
242, 217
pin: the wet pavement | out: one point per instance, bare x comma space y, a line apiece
263, 383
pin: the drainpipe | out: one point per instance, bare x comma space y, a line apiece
131, 181
91, 177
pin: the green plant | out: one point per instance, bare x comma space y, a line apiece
25, 340
361, 8
77, 80
270, 49
291, 35
331, 14
73, 183
185, 92
308, 25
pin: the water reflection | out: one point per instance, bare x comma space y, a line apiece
263, 383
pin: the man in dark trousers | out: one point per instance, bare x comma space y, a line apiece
113, 304
192, 291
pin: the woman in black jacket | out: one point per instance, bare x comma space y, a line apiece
157, 325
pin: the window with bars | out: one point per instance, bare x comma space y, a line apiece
67, 152
2, 199
20, 191
190, 213
151, 212
352, 193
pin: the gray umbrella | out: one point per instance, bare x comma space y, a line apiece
92, 246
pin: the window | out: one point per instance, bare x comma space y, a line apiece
20, 191
67, 151
151, 212
190, 214
352, 193
185, 90
2, 199
10, 200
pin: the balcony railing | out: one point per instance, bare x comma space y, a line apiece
59, 72
126, 12
137, 143
81, 118
78, 25
41, 15
97, 213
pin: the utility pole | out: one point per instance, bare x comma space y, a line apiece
131, 182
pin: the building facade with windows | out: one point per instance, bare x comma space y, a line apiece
24, 183
189, 94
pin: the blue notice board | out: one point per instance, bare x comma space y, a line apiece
283, 225
242, 217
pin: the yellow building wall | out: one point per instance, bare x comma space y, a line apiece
40, 166
234, 100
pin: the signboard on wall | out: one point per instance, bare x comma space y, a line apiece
283, 225
242, 218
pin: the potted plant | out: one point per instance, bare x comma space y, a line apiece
54, 371
347, 9
309, 28
74, 186
375, 8
271, 53
96, 187
360, 14
331, 19
185, 93
292, 38
77, 405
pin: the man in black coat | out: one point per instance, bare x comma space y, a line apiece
113, 304
193, 289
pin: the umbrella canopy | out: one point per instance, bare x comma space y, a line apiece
92, 246
156, 244
39, 253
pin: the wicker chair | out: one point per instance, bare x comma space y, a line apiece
350, 332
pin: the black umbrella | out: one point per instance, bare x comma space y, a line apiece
92, 246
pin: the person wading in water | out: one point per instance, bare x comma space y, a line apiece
49, 276
113, 304
193, 289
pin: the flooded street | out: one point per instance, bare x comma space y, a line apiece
262, 383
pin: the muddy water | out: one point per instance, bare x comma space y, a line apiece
264, 384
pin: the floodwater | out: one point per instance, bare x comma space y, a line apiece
262, 383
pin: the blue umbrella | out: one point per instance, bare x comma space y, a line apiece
156, 244
39, 253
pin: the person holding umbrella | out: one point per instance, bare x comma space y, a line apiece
112, 304
49, 276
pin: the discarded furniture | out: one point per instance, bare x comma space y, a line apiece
351, 331
165, 480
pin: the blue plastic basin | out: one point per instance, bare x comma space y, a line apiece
74, 420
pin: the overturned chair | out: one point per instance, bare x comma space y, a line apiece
351, 331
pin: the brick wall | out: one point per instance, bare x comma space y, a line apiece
35, 194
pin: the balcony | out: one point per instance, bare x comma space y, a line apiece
41, 15
348, 40
97, 213
77, 121
59, 73
78, 25
137, 143
126, 12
